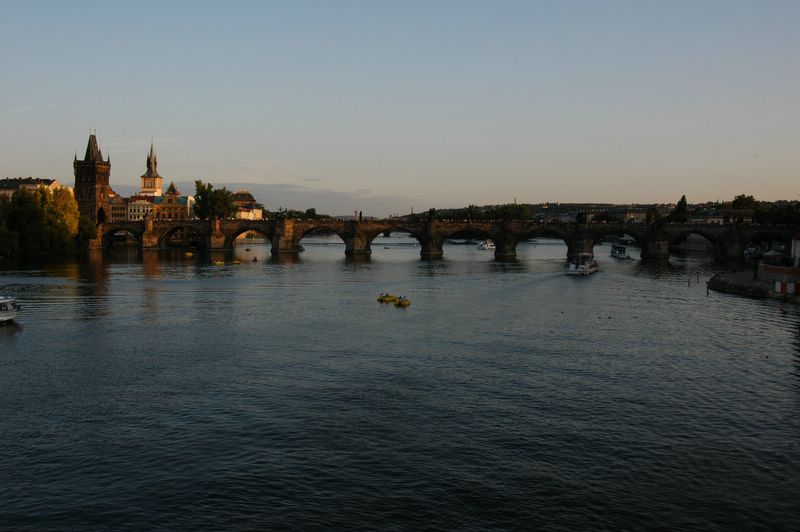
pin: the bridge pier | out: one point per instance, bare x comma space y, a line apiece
217, 239
579, 244
505, 248
284, 240
431, 247
655, 249
149, 237
357, 243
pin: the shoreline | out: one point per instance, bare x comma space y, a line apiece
742, 284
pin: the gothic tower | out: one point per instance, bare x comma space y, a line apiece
151, 181
91, 183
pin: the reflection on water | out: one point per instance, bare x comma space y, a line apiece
181, 391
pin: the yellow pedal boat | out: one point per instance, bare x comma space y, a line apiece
387, 298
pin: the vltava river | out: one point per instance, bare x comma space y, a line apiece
141, 392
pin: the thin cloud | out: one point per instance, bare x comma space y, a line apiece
29, 108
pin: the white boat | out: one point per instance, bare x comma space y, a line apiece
618, 251
8, 309
581, 264
486, 244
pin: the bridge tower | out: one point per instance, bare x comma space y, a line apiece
91, 183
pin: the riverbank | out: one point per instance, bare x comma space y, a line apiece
742, 283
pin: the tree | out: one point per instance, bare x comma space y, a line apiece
40, 222
203, 194
211, 203
681, 212
744, 202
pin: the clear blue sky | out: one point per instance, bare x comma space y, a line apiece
386, 106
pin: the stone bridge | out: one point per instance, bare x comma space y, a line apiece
728, 240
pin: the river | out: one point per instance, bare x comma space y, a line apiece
166, 391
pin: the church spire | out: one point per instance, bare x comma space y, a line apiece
152, 162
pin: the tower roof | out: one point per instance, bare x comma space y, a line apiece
152, 163
93, 153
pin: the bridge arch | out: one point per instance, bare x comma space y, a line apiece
231, 235
717, 248
370, 235
189, 234
108, 234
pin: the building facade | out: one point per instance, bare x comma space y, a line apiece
246, 206
172, 205
119, 208
140, 207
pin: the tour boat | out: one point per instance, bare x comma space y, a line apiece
582, 264
486, 244
618, 251
8, 309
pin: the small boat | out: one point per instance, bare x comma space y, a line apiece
387, 298
618, 251
8, 309
581, 264
402, 302
486, 244
219, 263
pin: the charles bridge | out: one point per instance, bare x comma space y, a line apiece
728, 240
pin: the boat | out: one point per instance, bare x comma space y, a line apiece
618, 251
8, 309
582, 264
486, 244
387, 298
402, 302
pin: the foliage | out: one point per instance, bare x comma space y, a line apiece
283, 214
681, 212
41, 222
744, 202
782, 213
213, 203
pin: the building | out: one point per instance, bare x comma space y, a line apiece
119, 207
91, 183
140, 207
172, 205
151, 181
10, 185
246, 206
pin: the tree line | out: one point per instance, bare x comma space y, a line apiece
42, 223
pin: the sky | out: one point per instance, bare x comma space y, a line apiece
388, 106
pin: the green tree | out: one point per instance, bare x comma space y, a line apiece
211, 203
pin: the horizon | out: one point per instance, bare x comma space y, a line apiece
389, 108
